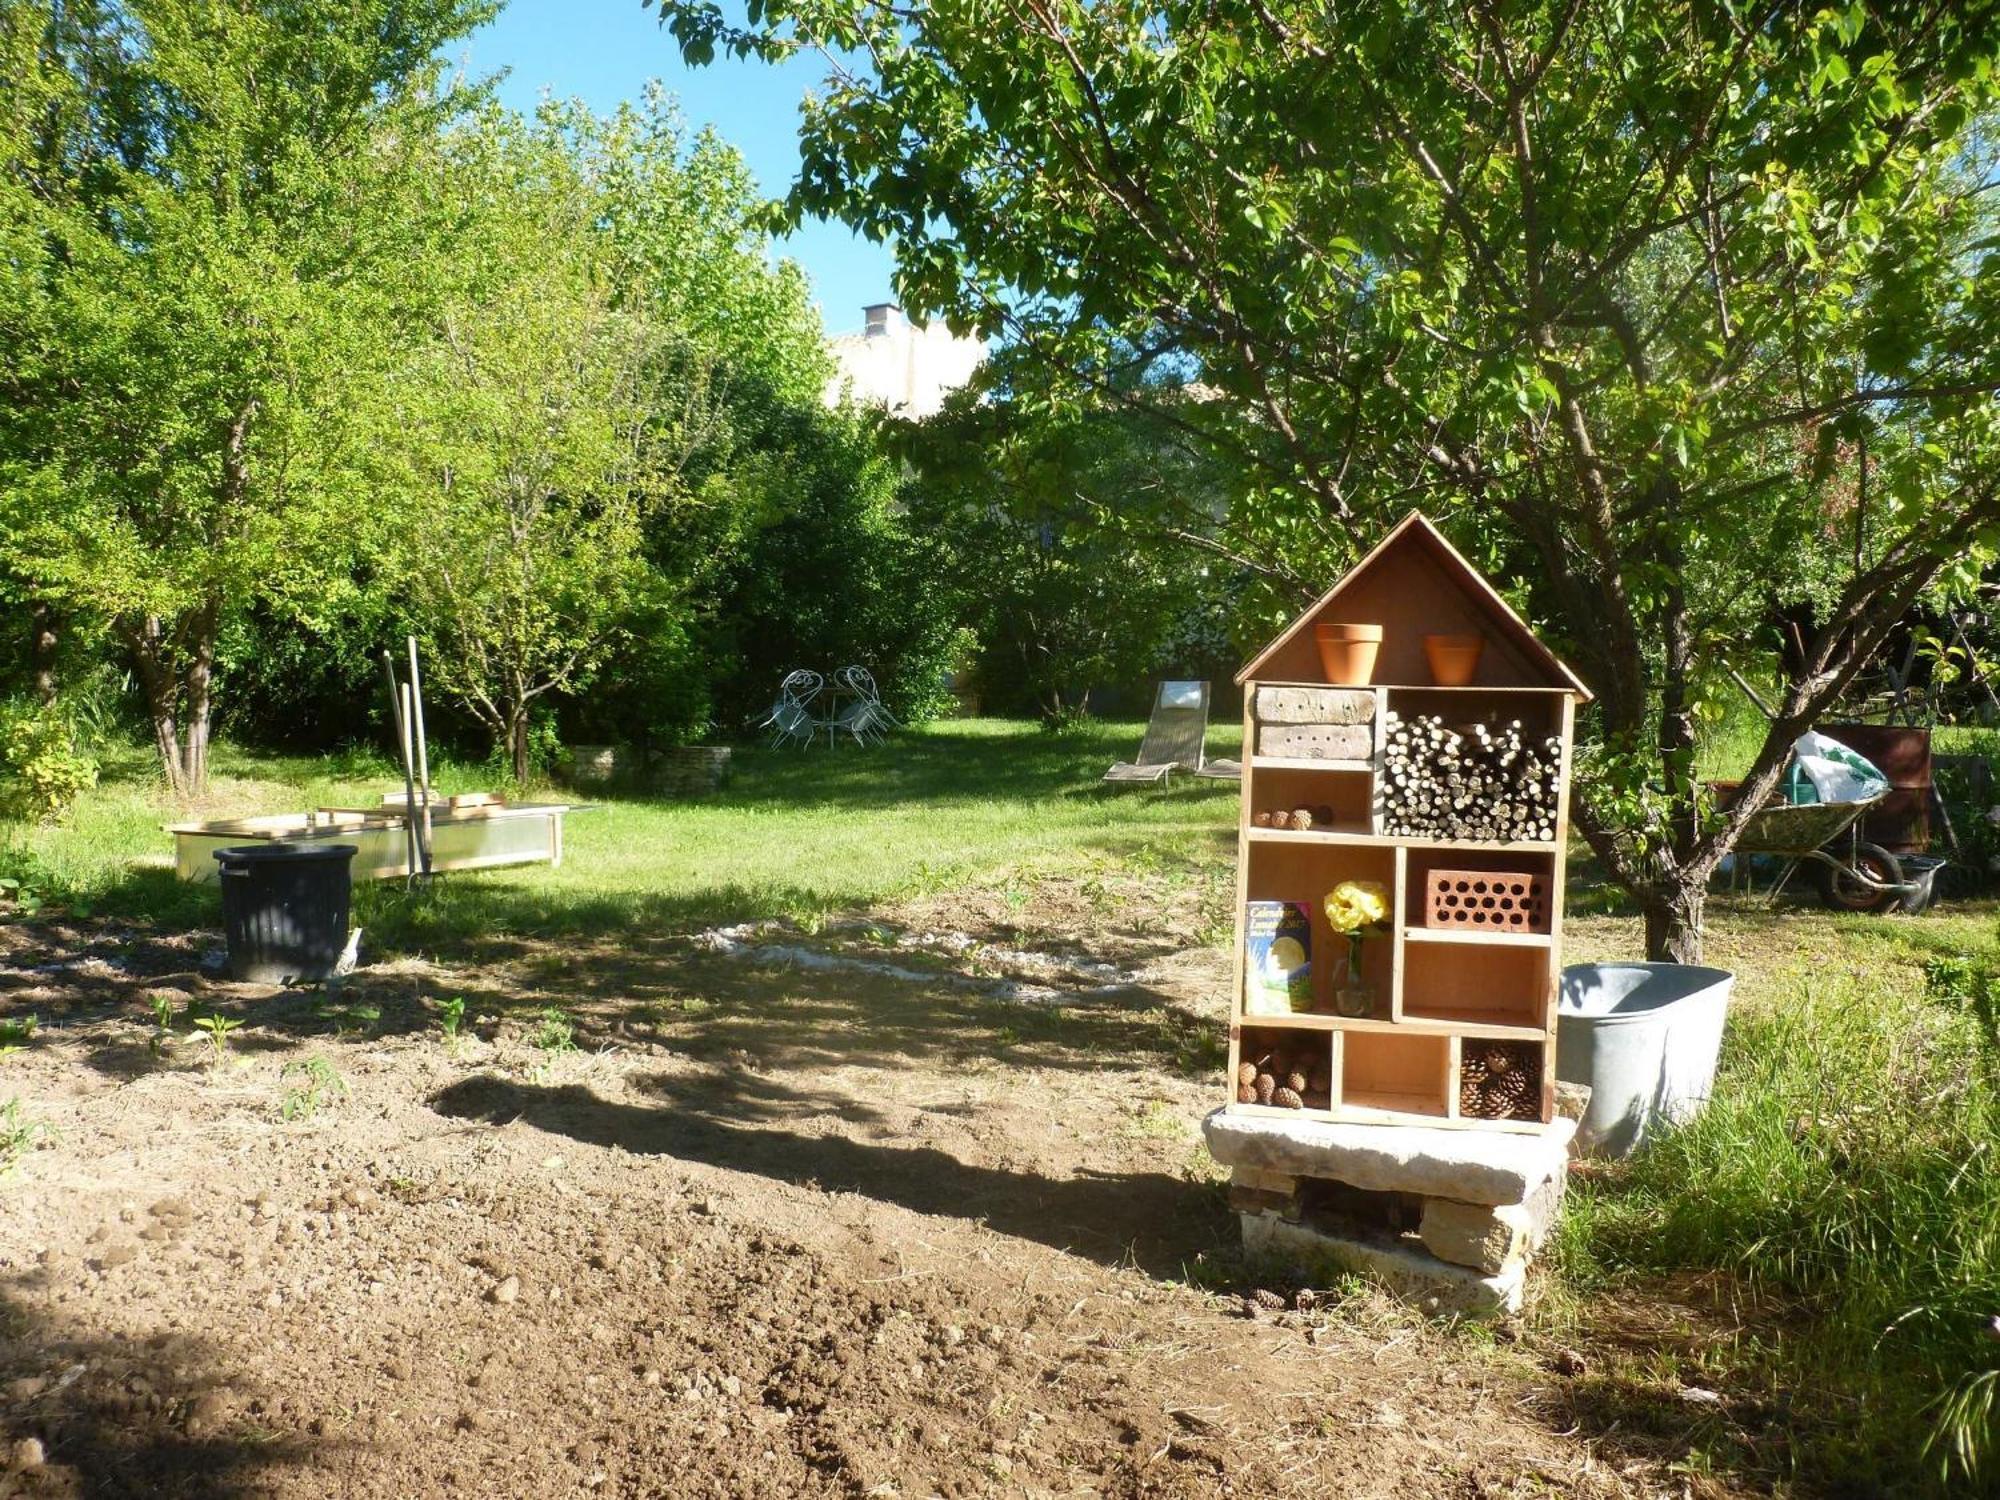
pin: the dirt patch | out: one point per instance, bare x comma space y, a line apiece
720, 1227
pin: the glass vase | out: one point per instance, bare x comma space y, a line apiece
1354, 996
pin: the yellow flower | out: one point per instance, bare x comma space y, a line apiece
1355, 904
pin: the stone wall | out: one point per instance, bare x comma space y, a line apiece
682, 771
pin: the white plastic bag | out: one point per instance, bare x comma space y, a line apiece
1835, 773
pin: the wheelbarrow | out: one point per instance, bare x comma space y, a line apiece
1852, 875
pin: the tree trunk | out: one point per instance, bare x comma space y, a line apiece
42, 641
200, 696
156, 681
179, 700
517, 741
1674, 920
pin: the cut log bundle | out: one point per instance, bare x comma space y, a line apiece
1494, 783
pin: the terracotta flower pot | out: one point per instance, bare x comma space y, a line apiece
1347, 653
1454, 659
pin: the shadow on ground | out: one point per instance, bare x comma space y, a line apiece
1148, 1219
121, 1417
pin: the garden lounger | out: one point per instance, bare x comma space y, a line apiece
1173, 736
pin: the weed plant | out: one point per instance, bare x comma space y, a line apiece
16, 1034
554, 1037
18, 1135
318, 1084
1845, 1165
215, 1028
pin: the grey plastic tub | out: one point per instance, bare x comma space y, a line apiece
1644, 1037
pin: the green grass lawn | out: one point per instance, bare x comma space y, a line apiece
795, 832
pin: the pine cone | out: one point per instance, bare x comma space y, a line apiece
1246, 1094
1261, 820
1265, 1087
1246, 1074
1287, 1099
1297, 1082
1319, 1099
1499, 1059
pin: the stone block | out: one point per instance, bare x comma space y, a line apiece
1314, 705
1435, 1286
1572, 1099
1252, 1191
1269, 1182
1317, 741
1469, 1166
1490, 1237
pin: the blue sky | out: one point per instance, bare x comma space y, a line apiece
604, 51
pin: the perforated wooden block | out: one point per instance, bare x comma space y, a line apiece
1486, 900
1317, 741
1314, 705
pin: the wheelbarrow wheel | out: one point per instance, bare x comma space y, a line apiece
1840, 890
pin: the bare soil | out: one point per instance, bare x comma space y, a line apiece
913, 1205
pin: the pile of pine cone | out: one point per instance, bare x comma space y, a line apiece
1299, 819
1296, 1077
1500, 1081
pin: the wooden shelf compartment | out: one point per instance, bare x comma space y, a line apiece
1280, 790
1535, 859
1483, 984
1542, 1046
1314, 1053
1279, 870
1395, 1071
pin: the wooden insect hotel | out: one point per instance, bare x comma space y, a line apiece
1400, 871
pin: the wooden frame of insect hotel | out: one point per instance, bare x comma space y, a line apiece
1400, 853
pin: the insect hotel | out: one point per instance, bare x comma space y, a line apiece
1392, 1095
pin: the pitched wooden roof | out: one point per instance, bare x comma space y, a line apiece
1414, 583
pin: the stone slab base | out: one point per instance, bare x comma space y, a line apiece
1467, 1166
1435, 1286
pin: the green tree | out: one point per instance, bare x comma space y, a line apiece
1028, 513
1676, 309
522, 425
220, 215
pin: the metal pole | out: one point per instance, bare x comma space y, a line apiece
423, 753
403, 747
410, 804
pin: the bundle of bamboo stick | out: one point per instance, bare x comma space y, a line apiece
1488, 782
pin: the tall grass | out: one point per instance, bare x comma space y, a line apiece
1846, 1166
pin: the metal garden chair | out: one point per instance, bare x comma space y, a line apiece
1173, 738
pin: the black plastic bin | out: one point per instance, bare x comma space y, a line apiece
284, 910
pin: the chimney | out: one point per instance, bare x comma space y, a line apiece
876, 316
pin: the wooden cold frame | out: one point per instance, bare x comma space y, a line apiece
1436, 988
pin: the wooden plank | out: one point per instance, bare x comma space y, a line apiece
1399, 892
1304, 763
1409, 1025
1246, 789
1478, 937
1348, 833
